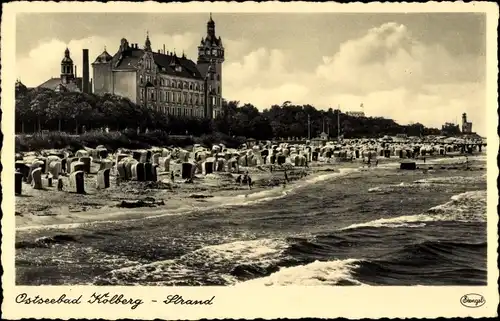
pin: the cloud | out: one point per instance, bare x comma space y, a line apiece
393, 74
390, 71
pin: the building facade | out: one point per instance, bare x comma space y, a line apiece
68, 80
164, 81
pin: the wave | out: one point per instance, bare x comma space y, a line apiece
46, 241
221, 202
453, 180
464, 207
428, 182
336, 272
221, 264
428, 262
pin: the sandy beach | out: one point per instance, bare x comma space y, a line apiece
60, 208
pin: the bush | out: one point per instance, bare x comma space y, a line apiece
112, 141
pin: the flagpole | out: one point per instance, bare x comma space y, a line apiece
338, 124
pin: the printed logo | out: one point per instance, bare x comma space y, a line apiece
472, 300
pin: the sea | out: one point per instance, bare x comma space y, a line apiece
354, 226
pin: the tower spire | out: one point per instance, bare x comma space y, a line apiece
147, 45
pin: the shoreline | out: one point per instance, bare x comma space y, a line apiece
207, 192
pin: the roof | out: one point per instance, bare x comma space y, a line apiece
167, 63
53, 83
103, 58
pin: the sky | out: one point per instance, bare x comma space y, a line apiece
419, 67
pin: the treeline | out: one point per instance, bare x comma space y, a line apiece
43, 109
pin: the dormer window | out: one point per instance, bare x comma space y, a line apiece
214, 52
178, 68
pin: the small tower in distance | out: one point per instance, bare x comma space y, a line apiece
147, 44
67, 74
464, 122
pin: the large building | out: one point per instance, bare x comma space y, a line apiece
68, 80
163, 80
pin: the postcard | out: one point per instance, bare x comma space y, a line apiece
249, 160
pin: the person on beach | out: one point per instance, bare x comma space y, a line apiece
369, 162
424, 160
238, 179
376, 163
172, 176
286, 177
118, 180
60, 184
249, 181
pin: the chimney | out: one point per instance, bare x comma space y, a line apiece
75, 73
163, 48
85, 72
159, 51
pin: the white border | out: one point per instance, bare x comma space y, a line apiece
251, 302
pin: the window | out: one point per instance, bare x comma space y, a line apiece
191, 86
142, 93
214, 52
148, 78
168, 82
178, 97
141, 80
191, 112
218, 77
178, 112
179, 85
218, 89
196, 87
